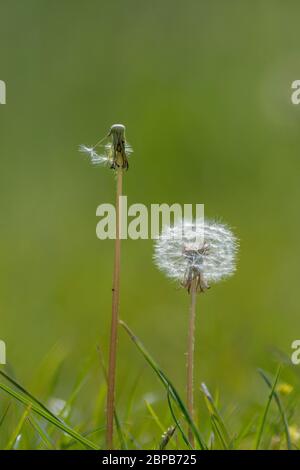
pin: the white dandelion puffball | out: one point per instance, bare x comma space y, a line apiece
178, 254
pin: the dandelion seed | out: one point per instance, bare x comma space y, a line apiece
96, 159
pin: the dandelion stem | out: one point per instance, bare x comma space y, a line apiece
111, 379
190, 355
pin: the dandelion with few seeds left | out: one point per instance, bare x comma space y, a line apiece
115, 152
114, 155
195, 264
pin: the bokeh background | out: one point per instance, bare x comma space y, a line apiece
204, 89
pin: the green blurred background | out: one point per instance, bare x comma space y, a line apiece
204, 91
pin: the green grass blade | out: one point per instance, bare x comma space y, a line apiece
85, 434
167, 384
49, 369
154, 416
166, 437
177, 423
217, 432
80, 382
245, 431
266, 410
278, 403
18, 429
28, 394
216, 418
42, 434
49, 417
121, 436
132, 397
4, 414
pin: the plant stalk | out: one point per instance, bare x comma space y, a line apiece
190, 356
111, 378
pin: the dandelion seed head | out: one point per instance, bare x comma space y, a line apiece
182, 258
115, 151
86, 149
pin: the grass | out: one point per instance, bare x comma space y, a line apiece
27, 422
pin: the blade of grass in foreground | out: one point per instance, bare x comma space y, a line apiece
166, 437
81, 380
217, 421
49, 417
154, 416
167, 384
42, 434
28, 394
279, 405
178, 425
85, 434
246, 431
266, 410
132, 397
4, 414
18, 429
